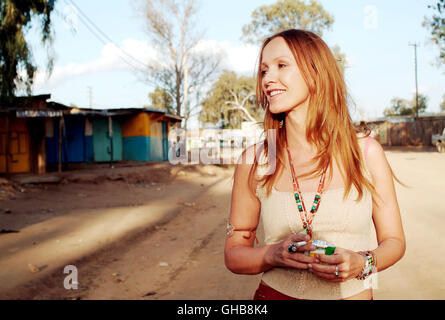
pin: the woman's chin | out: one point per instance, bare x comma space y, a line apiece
278, 109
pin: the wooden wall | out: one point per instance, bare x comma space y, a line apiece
415, 133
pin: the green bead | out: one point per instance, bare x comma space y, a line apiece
298, 200
317, 197
313, 208
300, 207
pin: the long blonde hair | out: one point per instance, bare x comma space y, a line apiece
329, 126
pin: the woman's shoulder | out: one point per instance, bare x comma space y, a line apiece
373, 152
245, 177
252, 155
369, 144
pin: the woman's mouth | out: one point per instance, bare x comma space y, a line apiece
274, 93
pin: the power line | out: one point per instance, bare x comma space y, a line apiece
415, 45
106, 36
88, 23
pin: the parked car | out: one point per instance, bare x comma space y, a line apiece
439, 141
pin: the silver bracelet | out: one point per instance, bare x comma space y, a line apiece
368, 269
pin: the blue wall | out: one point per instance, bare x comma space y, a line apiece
136, 148
144, 149
76, 147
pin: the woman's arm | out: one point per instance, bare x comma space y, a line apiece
387, 222
386, 212
240, 255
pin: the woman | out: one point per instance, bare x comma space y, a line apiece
320, 156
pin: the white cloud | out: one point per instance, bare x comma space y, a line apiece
131, 56
134, 54
241, 59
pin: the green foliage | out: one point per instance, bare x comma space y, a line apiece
286, 14
402, 107
223, 103
15, 54
436, 25
161, 100
290, 14
398, 107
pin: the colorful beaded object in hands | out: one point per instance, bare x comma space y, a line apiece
305, 218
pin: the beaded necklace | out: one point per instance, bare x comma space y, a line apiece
305, 219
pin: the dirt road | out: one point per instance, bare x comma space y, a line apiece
157, 232
136, 233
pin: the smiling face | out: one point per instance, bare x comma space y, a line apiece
281, 80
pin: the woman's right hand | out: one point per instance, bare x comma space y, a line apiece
279, 256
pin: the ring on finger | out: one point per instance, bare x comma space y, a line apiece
336, 271
293, 247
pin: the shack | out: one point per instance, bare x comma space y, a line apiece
22, 133
145, 134
73, 134
38, 136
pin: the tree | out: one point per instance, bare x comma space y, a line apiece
230, 101
15, 54
398, 107
423, 104
402, 107
161, 100
182, 70
436, 24
288, 14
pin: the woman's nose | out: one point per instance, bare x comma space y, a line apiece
269, 77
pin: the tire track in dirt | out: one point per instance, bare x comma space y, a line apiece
92, 266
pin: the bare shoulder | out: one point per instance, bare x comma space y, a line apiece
376, 161
374, 149
245, 165
245, 205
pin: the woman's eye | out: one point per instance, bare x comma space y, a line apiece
263, 72
281, 65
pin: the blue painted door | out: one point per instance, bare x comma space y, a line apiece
164, 141
75, 139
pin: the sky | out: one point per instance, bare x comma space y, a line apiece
375, 35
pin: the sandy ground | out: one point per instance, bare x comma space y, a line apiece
157, 231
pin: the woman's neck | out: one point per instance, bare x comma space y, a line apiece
296, 129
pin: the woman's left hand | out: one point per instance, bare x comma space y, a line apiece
350, 265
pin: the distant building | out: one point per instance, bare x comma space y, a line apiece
405, 130
145, 134
22, 133
37, 135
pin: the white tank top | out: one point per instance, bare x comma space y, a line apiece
345, 223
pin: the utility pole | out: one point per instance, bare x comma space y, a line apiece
90, 97
415, 45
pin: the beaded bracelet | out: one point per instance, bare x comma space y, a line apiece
370, 265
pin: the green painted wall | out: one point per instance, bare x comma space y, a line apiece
101, 140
